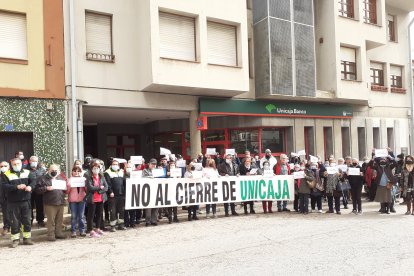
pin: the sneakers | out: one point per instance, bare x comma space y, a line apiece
14, 244
82, 234
359, 213
286, 210
73, 235
408, 213
27, 241
338, 213
113, 229
100, 232
122, 228
61, 237
234, 214
94, 234
320, 211
354, 212
252, 211
176, 220
214, 216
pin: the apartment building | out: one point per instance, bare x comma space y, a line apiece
32, 84
327, 76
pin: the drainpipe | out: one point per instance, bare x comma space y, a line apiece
411, 86
74, 114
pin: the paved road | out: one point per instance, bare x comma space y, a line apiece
273, 244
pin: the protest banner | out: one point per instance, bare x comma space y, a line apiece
77, 182
170, 192
136, 174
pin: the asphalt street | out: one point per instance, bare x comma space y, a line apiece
271, 244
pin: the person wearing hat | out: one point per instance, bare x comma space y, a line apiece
407, 184
151, 213
268, 157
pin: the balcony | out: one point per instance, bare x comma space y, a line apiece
404, 5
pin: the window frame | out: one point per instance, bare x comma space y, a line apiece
99, 56
374, 77
13, 60
349, 11
370, 11
344, 72
391, 29
236, 41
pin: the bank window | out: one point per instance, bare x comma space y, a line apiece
396, 76
13, 37
242, 140
391, 24
171, 141
99, 36
122, 146
177, 37
377, 73
370, 11
214, 135
346, 8
222, 44
348, 64
273, 139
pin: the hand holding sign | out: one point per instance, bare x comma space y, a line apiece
59, 184
381, 153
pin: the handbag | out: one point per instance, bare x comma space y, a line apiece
343, 186
389, 185
311, 183
319, 186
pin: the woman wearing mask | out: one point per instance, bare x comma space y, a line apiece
150, 213
304, 189
356, 182
172, 211
96, 188
130, 216
248, 168
296, 168
407, 184
209, 172
192, 210
267, 204
76, 201
332, 194
317, 192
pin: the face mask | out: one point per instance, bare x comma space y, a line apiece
128, 170
267, 156
228, 161
355, 164
96, 171
115, 167
4, 169
53, 173
21, 157
33, 164
192, 168
382, 165
17, 168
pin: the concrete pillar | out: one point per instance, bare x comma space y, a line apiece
354, 139
337, 138
383, 132
195, 134
320, 147
299, 134
369, 136
397, 137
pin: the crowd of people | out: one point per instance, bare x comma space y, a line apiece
96, 191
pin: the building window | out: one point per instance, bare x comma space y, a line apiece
377, 73
177, 37
13, 37
222, 44
242, 140
99, 37
273, 139
370, 11
346, 8
119, 145
348, 64
392, 34
396, 76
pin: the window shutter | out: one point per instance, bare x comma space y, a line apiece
347, 54
222, 44
177, 37
395, 70
377, 65
98, 33
13, 39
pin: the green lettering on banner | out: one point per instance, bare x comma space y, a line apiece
285, 194
262, 183
251, 189
278, 195
270, 190
243, 189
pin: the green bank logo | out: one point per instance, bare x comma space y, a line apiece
271, 108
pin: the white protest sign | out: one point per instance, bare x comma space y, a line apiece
176, 172
291, 166
158, 173
253, 171
354, 171
136, 174
381, 153
313, 159
120, 160
197, 174
59, 184
299, 175
181, 163
77, 182
164, 151
169, 192
343, 168
332, 170
230, 151
302, 153
268, 173
136, 160
293, 154
198, 166
211, 151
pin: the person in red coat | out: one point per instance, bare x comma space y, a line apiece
282, 168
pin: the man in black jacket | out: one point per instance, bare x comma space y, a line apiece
229, 168
4, 167
115, 178
356, 182
36, 171
18, 193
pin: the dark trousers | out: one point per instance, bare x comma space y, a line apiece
20, 215
130, 218
6, 219
316, 200
337, 200
250, 203
94, 211
296, 203
37, 203
192, 210
212, 206
372, 191
345, 198
151, 215
304, 203
232, 208
172, 211
106, 209
356, 192
267, 206
116, 210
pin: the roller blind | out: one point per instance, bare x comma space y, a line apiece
347, 54
98, 33
222, 44
13, 38
377, 65
177, 37
396, 70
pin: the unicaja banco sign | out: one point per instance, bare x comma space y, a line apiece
273, 109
